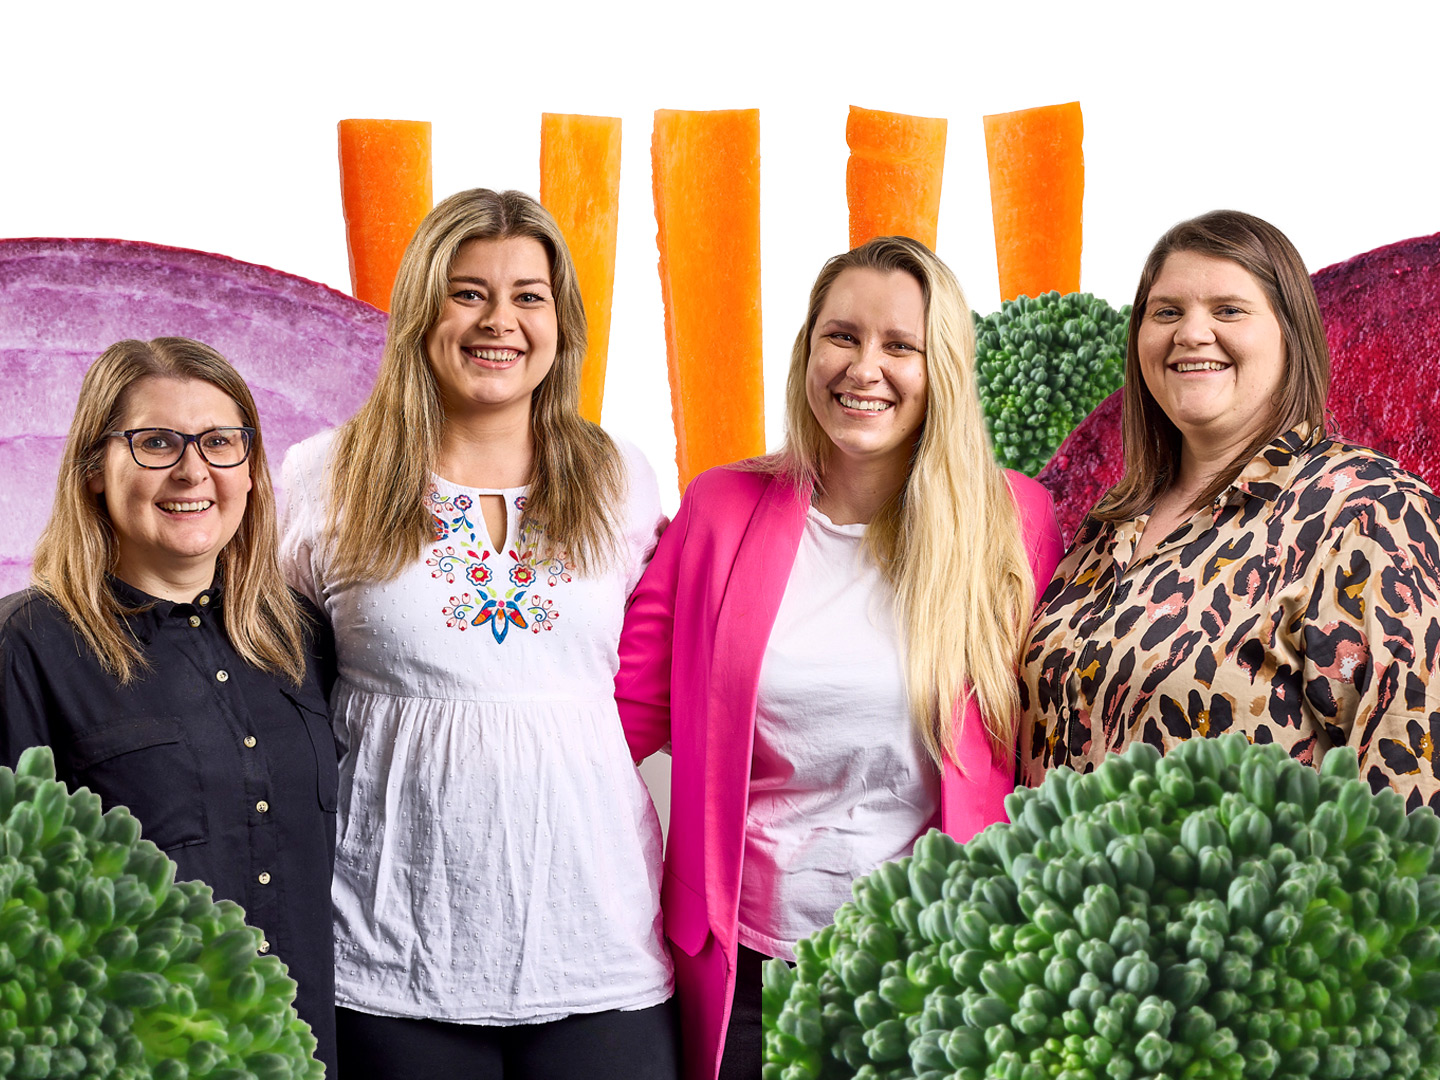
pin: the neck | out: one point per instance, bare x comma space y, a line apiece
1201, 463
178, 584
852, 492
487, 451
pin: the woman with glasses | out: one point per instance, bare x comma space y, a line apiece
473, 540
161, 656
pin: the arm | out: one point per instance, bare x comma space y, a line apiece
23, 716
1370, 638
301, 518
1039, 526
647, 642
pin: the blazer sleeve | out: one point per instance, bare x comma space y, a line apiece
647, 642
1039, 526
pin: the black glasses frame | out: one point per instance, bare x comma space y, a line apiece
187, 440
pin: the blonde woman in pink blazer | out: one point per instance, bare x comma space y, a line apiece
827, 638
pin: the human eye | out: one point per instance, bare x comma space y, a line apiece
529, 297
1230, 311
220, 438
1164, 312
467, 296
156, 440
841, 337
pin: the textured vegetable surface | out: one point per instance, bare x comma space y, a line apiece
1220, 912
1043, 364
892, 180
386, 191
111, 968
706, 176
1037, 190
580, 186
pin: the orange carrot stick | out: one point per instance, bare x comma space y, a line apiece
1037, 187
892, 181
580, 186
706, 171
385, 189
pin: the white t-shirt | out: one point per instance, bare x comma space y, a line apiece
839, 782
498, 856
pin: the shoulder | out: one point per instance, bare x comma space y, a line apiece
306, 461
27, 610
738, 484
1029, 494
1350, 482
635, 467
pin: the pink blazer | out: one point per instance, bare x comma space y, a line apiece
690, 655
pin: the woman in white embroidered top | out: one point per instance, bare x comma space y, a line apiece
473, 541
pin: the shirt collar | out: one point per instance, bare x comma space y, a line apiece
137, 601
1269, 472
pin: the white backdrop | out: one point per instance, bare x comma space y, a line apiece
212, 126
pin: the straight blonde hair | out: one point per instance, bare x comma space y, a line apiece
384, 455
949, 540
1151, 440
78, 550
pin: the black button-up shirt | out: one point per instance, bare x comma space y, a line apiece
230, 770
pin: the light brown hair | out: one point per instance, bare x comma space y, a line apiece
78, 550
1151, 440
949, 540
384, 455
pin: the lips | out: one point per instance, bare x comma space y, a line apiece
193, 507
491, 355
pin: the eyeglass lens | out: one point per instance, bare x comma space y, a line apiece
219, 446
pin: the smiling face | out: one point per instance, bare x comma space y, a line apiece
496, 335
865, 379
1212, 352
170, 524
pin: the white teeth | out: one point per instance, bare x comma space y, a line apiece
1204, 365
182, 507
494, 355
863, 405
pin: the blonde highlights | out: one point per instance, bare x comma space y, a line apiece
383, 457
78, 550
949, 540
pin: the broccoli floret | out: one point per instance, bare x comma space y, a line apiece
1043, 364
111, 968
1222, 912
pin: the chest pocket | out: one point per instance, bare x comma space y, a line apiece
316, 717
149, 766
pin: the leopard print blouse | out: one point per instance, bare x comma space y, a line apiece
1302, 608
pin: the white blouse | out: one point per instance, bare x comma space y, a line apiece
498, 855
839, 781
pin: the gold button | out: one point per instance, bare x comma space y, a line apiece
204, 601
250, 741
262, 806
264, 877
194, 620
222, 676
264, 947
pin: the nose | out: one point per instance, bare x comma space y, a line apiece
864, 367
1194, 329
497, 318
191, 468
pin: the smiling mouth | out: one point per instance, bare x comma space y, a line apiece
492, 356
1201, 365
185, 507
863, 404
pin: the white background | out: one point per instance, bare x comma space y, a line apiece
212, 126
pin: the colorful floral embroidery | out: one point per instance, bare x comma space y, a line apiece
492, 604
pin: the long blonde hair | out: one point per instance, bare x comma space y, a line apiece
78, 549
949, 540
384, 455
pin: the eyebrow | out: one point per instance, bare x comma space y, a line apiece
847, 325
1232, 298
457, 280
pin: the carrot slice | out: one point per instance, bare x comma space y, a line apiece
706, 173
1037, 188
385, 189
892, 181
580, 186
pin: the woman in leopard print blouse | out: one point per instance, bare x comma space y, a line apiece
1250, 572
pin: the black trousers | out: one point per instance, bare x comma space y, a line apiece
743, 1045
614, 1045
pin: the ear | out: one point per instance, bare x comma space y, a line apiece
95, 482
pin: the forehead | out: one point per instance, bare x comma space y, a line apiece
1193, 274
183, 404
503, 259
893, 297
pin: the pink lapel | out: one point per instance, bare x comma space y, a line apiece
753, 592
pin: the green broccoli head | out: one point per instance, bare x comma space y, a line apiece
1043, 365
111, 968
1221, 912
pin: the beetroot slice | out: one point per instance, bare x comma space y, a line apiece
1382, 320
308, 352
